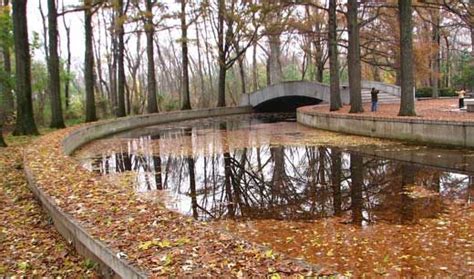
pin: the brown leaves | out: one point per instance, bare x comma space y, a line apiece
153, 238
29, 244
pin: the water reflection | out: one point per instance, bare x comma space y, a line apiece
207, 177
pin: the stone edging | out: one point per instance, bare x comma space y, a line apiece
440, 132
70, 229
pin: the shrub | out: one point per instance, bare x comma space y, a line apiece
427, 92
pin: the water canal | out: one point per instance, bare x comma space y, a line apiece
354, 205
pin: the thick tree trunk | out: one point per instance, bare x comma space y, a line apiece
57, 120
152, 104
89, 64
275, 70
120, 61
9, 104
354, 67
186, 102
335, 102
25, 123
407, 104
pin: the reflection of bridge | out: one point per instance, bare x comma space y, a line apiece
287, 96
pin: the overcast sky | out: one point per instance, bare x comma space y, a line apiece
73, 19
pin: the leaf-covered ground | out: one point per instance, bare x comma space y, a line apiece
441, 109
29, 243
149, 236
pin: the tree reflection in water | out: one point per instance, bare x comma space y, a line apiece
283, 181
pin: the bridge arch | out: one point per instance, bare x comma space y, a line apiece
289, 95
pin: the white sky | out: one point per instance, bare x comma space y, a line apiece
73, 19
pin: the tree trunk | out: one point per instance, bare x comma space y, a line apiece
472, 43
357, 181
354, 67
336, 180
120, 61
152, 104
240, 62
68, 63
89, 64
25, 123
254, 68
200, 68
221, 58
221, 84
407, 103
9, 104
275, 70
447, 63
319, 54
57, 120
435, 29
2, 141
335, 101
186, 102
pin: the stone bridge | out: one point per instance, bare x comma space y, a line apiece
287, 96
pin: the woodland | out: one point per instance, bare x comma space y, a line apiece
150, 56
66, 62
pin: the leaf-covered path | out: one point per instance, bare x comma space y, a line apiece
29, 243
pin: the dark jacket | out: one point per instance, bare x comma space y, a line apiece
374, 94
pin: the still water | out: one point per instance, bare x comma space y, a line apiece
266, 166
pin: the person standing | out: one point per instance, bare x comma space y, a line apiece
461, 98
374, 97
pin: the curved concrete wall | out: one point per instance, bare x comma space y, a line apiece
70, 229
426, 131
103, 128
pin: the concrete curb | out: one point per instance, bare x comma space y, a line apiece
438, 132
85, 244
67, 226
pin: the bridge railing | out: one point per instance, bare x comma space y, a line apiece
385, 87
